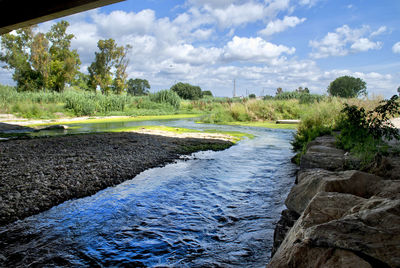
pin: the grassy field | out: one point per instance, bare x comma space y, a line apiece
314, 112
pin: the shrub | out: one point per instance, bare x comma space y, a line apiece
166, 96
187, 91
363, 132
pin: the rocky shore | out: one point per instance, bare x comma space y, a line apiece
39, 173
338, 216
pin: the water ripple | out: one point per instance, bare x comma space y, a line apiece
217, 210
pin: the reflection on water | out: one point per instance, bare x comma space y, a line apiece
217, 209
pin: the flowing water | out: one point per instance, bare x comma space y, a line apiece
217, 209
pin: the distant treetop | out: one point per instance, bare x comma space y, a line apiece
347, 87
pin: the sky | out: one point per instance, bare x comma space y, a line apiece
261, 44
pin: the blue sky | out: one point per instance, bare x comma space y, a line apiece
262, 44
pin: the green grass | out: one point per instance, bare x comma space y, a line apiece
236, 135
260, 124
121, 119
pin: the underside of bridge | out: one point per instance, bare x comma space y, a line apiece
16, 14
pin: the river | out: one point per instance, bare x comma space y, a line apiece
215, 209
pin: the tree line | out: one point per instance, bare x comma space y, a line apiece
46, 61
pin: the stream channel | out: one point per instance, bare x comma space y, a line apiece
217, 209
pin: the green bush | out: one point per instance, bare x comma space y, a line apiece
187, 91
316, 120
166, 96
364, 132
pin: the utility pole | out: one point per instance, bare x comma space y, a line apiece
234, 88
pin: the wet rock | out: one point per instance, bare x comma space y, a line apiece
287, 220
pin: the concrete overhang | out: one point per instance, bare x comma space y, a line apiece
21, 13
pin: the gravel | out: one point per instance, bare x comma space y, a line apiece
36, 174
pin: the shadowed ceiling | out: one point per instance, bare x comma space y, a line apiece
21, 13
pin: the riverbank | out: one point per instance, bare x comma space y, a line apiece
338, 216
43, 172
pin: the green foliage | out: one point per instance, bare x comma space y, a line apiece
166, 96
138, 87
64, 62
40, 61
307, 98
110, 56
207, 93
347, 87
279, 91
252, 96
81, 82
363, 132
316, 120
187, 91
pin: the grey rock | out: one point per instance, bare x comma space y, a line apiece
313, 181
343, 230
322, 153
287, 220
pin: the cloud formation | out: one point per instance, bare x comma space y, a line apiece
396, 48
345, 40
212, 42
277, 26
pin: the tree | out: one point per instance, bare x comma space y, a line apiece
40, 60
302, 90
16, 55
119, 83
110, 56
398, 90
252, 96
138, 87
347, 87
64, 62
81, 81
207, 93
279, 90
187, 91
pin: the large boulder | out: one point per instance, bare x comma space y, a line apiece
322, 153
313, 181
343, 230
386, 167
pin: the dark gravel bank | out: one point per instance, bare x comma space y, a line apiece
36, 174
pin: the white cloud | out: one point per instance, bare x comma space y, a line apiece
189, 54
364, 44
345, 40
118, 22
254, 49
235, 15
228, 14
199, 46
213, 3
380, 31
309, 3
281, 25
396, 48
